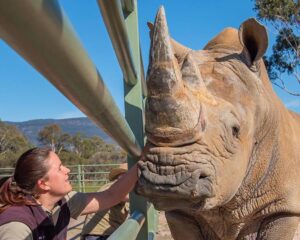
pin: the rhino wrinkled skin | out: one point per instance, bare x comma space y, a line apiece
222, 156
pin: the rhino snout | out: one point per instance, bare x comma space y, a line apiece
188, 183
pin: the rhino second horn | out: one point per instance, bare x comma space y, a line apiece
191, 74
163, 75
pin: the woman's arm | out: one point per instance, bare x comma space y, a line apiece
98, 201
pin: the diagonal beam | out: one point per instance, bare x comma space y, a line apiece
112, 14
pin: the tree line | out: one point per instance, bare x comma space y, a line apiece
72, 149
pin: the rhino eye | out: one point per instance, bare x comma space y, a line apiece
236, 131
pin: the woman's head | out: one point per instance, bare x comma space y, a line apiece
35, 173
31, 166
56, 181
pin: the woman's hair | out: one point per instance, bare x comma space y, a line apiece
30, 167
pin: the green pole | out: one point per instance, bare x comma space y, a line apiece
83, 178
79, 178
134, 115
130, 228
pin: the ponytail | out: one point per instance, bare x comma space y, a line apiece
11, 194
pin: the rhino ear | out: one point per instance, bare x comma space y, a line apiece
151, 29
254, 38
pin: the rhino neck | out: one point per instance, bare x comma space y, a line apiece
215, 224
261, 185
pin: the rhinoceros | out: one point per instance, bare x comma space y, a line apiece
222, 157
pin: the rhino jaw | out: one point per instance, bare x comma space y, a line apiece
164, 176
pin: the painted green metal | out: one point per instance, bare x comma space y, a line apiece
113, 17
79, 178
41, 32
112, 14
128, 5
130, 228
143, 80
134, 115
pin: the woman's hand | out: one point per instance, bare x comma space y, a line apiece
98, 201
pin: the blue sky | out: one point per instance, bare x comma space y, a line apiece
25, 94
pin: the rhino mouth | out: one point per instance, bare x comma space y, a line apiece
168, 173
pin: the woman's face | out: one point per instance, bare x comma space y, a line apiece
57, 177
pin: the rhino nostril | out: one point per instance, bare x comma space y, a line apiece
203, 176
236, 131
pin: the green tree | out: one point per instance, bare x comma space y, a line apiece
86, 147
284, 16
71, 158
91, 150
112, 155
78, 145
12, 144
79, 149
52, 135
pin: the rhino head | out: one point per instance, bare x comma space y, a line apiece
201, 112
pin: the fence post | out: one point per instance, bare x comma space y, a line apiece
134, 115
79, 178
83, 178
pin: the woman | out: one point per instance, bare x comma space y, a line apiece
37, 201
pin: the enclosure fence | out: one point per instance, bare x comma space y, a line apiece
83, 177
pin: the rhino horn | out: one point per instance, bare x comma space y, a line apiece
179, 50
163, 72
173, 115
191, 74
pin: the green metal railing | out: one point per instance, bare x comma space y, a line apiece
130, 228
6, 172
89, 178
41, 32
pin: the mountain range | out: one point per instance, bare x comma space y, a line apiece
71, 126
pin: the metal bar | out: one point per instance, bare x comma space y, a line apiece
83, 179
101, 165
91, 173
92, 180
130, 228
128, 5
143, 80
112, 14
41, 32
114, 20
134, 115
79, 178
